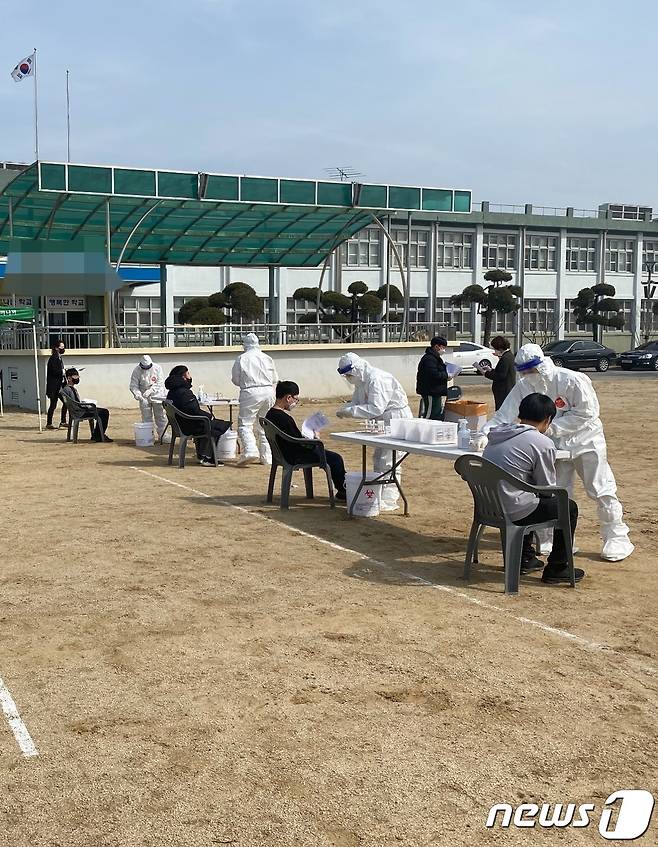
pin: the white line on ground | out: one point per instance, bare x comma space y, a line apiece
578, 640
21, 734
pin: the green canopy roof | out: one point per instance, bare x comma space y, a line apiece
199, 218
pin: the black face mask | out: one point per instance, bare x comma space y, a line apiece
188, 380
61, 351
75, 380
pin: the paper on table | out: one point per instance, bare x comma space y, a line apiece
313, 424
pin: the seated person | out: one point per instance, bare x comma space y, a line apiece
69, 390
524, 451
179, 386
287, 397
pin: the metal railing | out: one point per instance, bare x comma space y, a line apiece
14, 337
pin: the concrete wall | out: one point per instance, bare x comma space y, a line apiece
107, 372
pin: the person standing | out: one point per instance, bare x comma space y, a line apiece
576, 428
146, 382
377, 394
432, 380
503, 376
255, 375
55, 381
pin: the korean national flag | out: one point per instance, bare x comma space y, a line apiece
24, 68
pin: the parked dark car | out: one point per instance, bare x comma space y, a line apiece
644, 356
580, 354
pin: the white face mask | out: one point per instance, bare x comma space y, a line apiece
351, 378
292, 404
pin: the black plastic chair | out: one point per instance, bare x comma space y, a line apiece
81, 412
317, 459
484, 478
174, 416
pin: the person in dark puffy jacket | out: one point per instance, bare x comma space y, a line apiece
55, 381
179, 387
432, 380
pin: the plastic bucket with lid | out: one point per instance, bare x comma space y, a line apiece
143, 434
369, 500
227, 445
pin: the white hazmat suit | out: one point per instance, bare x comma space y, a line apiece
255, 374
578, 429
377, 394
146, 382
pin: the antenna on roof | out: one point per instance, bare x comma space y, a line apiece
345, 173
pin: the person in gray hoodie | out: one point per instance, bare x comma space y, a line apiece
524, 451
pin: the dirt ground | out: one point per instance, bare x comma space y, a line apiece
193, 673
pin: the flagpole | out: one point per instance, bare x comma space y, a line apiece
36, 370
36, 110
68, 119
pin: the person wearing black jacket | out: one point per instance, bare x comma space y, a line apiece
287, 397
55, 380
432, 380
503, 376
179, 387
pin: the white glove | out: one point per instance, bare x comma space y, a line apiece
147, 394
343, 413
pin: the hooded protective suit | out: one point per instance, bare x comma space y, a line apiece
147, 380
578, 429
254, 373
377, 394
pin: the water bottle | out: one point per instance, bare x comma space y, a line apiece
463, 435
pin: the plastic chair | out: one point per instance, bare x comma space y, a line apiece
81, 412
174, 416
484, 480
274, 435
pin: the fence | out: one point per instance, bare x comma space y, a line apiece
14, 337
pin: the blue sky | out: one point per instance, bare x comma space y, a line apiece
552, 104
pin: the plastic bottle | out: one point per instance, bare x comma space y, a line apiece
463, 435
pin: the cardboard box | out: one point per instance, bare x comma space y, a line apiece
475, 413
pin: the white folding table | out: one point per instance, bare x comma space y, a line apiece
398, 445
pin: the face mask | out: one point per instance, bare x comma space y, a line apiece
292, 404
61, 351
350, 378
188, 380
75, 380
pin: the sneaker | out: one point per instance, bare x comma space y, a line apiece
559, 576
531, 565
341, 495
50, 426
63, 425
207, 462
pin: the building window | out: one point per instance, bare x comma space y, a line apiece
539, 316
650, 254
541, 253
626, 311
458, 316
417, 310
140, 311
570, 325
419, 247
454, 250
619, 255
296, 308
499, 251
581, 254
178, 302
364, 250
503, 323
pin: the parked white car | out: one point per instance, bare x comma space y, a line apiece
466, 353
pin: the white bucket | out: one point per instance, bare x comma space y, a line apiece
227, 445
369, 500
143, 434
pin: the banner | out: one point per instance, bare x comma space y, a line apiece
9, 313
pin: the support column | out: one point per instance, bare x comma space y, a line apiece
407, 292
272, 302
520, 277
164, 304
108, 340
636, 316
561, 267
478, 274
431, 308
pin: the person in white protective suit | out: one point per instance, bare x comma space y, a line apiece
377, 394
146, 382
578, 429
255, 374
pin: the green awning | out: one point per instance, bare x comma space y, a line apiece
203, 219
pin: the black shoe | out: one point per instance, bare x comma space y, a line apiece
208, 462
341, 495
63, 425
50, 426
532, 565
98, 439
560, 575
